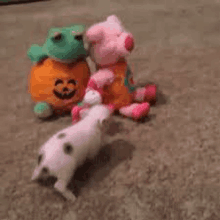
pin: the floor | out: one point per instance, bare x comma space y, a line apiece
168, 166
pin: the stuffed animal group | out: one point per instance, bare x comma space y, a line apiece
110, 44
60, 82
60, 76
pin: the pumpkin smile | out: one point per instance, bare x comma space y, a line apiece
64, 95
64, 91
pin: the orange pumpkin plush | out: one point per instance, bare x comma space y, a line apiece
58, 84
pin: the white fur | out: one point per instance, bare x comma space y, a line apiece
92, 97
85, 137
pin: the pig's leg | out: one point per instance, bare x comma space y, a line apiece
135, 110
145, 94
101, 78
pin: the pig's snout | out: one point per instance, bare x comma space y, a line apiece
129, 43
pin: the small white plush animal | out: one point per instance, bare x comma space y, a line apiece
91, 98
68, 149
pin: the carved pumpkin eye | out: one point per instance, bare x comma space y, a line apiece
72, 81
58, 81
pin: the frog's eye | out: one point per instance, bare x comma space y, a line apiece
57, 36
79, 37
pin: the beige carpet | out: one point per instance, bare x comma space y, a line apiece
167, 167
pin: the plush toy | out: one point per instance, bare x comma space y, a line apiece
66, 150
110, 44
92, 97
62, 44
60, 74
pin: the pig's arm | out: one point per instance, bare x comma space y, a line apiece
101, 78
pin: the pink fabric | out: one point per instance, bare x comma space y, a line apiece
75, 114
139, 94
129, 43
146, 94
127, 110
150, 93
92, 85
135, 110
111, 108
141, 110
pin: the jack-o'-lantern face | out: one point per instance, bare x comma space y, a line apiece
65, 89
61, 85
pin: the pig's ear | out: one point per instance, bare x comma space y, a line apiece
95, 33
113, 19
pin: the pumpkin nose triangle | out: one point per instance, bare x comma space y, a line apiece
65, 89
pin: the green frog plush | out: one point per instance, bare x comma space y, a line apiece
62, 44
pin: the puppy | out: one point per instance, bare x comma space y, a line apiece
65, 151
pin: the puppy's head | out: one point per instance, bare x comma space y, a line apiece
41, 171
54, 158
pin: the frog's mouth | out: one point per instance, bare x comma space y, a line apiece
64, 95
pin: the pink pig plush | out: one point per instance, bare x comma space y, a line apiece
110, 44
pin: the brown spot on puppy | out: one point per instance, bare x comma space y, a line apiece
39, 159
61, 135
67, 148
